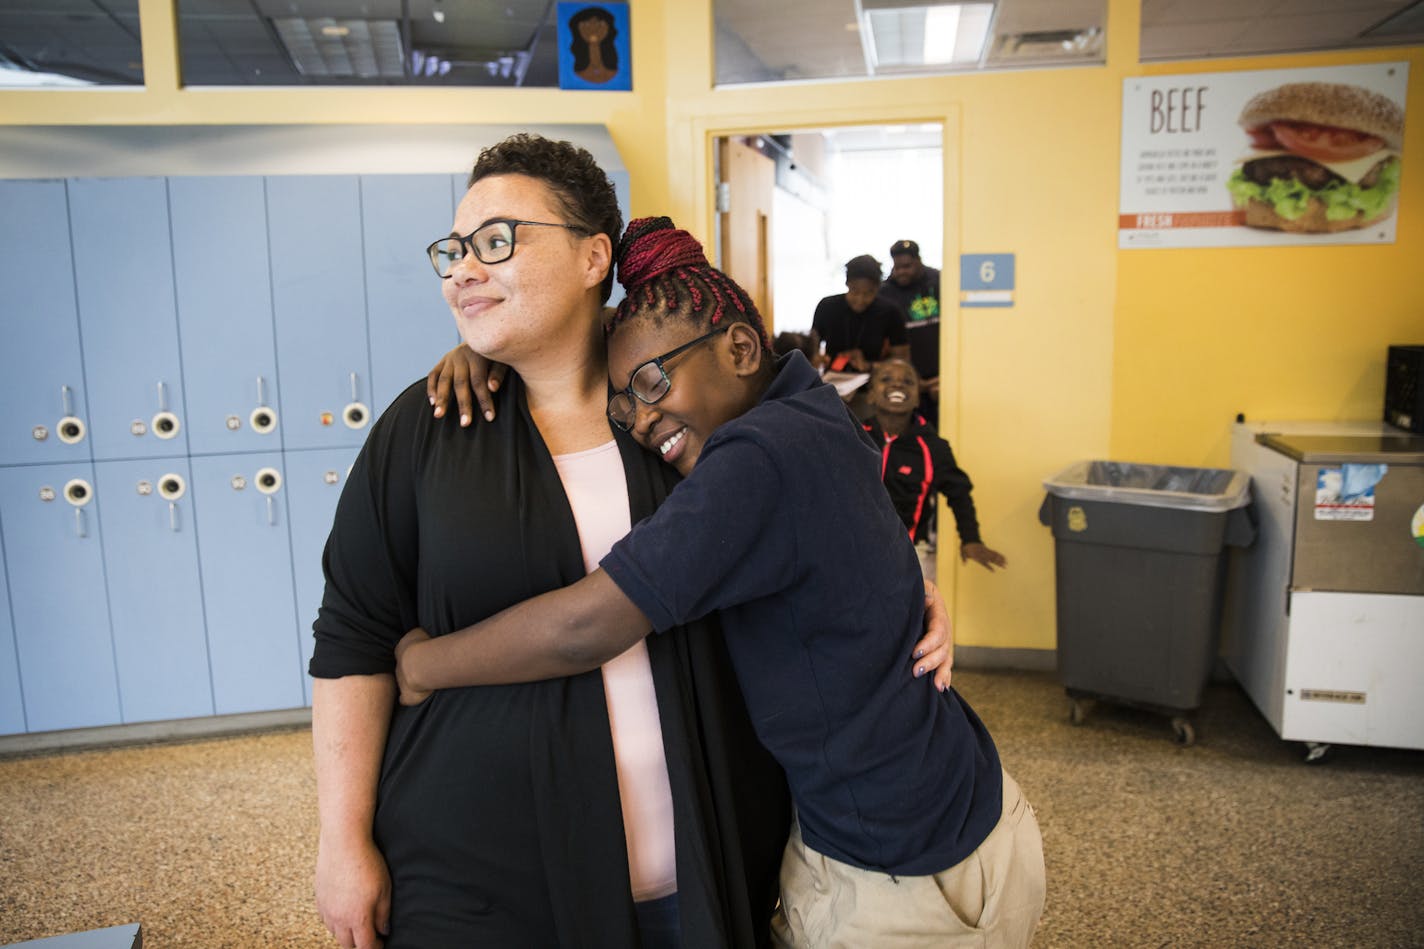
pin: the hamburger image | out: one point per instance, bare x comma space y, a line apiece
1324, 158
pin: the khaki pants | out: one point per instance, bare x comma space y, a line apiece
992, 898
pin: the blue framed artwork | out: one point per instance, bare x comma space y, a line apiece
594, 46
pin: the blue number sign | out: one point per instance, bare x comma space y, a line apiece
986, 279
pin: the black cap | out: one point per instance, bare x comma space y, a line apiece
905, 247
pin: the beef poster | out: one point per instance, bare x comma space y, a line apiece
1270, 157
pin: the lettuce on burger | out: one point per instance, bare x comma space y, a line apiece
1325, 158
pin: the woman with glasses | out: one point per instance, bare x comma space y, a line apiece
909, 832
614, 808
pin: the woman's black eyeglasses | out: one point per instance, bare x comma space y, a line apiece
648, 384
491, 243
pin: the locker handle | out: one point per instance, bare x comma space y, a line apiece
80, 528
173, 516
271, 511
355, 415
262, 419
162, 396
66, 395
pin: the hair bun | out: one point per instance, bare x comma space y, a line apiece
651, 247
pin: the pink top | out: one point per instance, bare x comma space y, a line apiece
597, 491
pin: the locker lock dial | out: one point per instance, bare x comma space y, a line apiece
78, 492
356, 415
165, 425
171, 487
263, 419
268, 480
70, 430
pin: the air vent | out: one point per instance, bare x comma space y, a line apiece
1049, 46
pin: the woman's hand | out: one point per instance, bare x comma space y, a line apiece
986, 557
410, 693
935, 651
353, 891
471, 376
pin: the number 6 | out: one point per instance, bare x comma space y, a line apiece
986, 271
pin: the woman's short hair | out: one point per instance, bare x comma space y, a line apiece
581, 188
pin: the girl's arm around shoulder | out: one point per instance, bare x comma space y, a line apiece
560, 633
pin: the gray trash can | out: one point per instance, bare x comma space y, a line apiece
1140, 565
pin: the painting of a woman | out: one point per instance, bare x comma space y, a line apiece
595, 58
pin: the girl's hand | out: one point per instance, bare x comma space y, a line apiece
410, 692
935, 651
471, 377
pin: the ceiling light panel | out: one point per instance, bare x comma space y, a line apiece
925, 34
328, 46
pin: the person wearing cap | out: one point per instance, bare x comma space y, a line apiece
914, 288
858, 328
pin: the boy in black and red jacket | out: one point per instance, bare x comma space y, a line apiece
916, 463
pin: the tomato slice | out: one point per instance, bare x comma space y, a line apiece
1324, 142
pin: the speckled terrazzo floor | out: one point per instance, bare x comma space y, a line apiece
1231, 842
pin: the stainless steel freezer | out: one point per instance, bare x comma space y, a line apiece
1324, 618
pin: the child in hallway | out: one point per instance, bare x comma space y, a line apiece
916, 464
907, 822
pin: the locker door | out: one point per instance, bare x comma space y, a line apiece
225, 313
240, 505
41, 369
123, 264
155, 592
12, 707
314, 482
410, 324
319, 304
57, 596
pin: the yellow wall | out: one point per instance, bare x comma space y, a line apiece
1278, 332
1144, 355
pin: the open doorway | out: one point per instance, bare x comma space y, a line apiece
793, 207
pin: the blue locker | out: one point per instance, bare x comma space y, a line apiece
12, 706
123, 264
319, 305
244, 553
58, 601
314, 482
224, 293
155, 591
410, 323
41, 370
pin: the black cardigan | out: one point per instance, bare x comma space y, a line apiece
498, 808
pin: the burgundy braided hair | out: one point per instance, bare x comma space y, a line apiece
666, 275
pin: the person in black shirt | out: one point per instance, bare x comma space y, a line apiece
914, 288
855, 327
